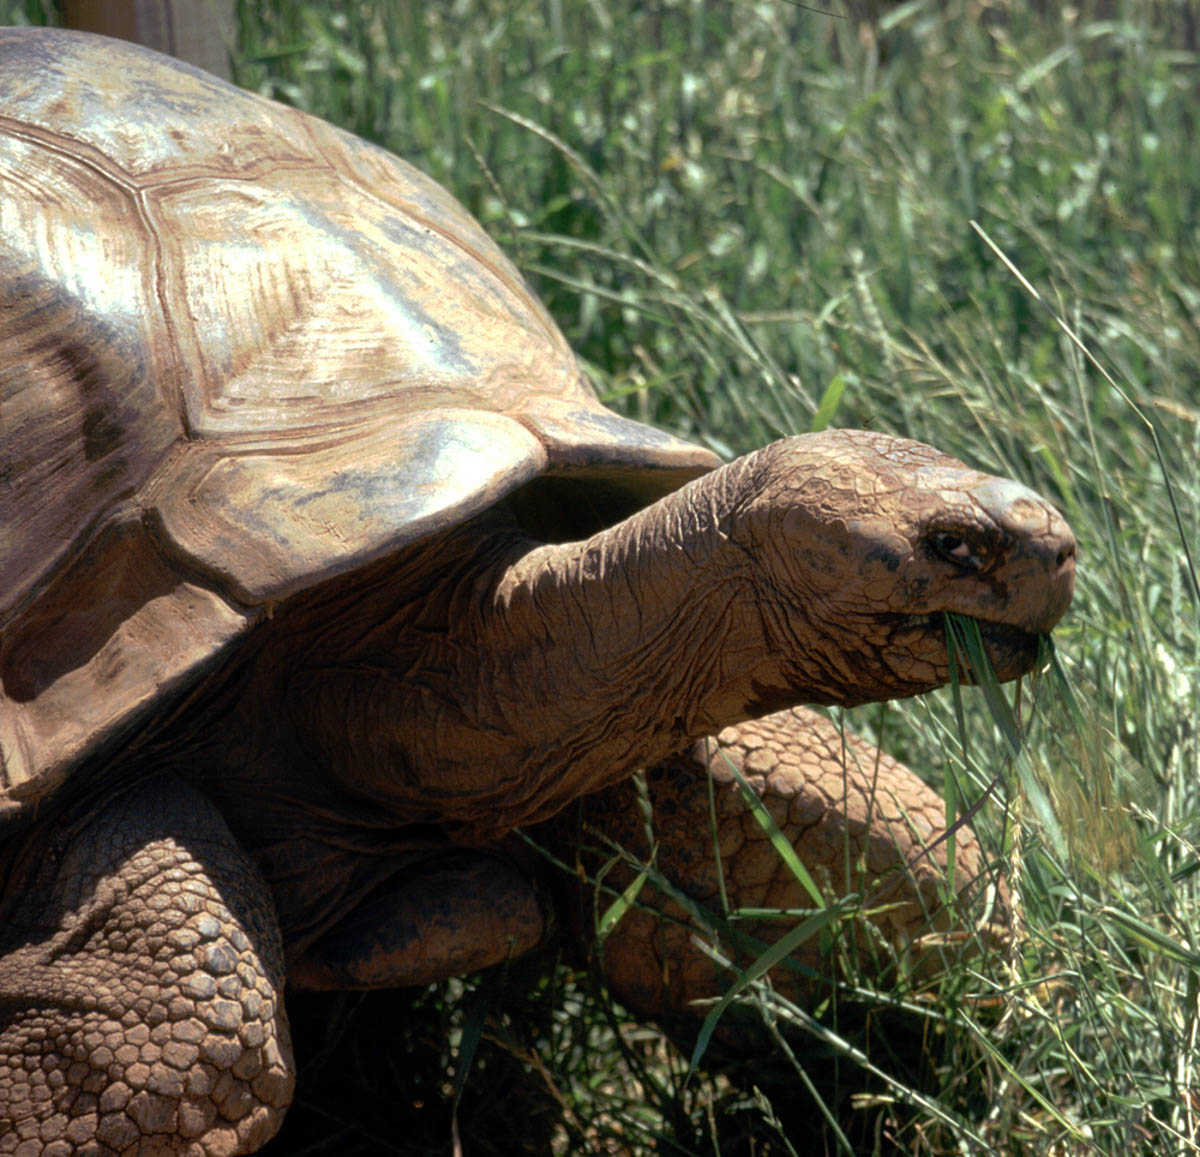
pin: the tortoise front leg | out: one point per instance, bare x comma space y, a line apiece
141, 975
858, 820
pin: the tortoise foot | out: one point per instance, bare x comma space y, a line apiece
453, 913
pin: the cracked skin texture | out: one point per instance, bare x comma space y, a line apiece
323, 570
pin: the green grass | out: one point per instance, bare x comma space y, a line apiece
754, 218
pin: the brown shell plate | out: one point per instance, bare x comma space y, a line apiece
240, 352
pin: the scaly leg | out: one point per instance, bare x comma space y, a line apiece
857, 819
141, 978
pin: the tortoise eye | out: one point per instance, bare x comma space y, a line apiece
954, 548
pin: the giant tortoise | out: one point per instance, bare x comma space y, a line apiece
324, 570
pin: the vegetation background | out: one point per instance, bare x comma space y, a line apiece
754, 218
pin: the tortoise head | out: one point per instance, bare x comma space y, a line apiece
866, 539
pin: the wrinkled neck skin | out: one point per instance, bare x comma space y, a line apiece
487, 680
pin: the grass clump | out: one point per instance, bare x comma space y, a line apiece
755, 219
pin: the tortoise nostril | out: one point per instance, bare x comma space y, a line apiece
1065, 555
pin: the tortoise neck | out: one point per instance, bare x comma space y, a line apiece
612, 653
501, 678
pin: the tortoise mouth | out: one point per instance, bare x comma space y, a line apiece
1013, 651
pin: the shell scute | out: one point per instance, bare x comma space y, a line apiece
266, 525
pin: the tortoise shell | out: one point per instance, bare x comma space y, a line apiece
242, 352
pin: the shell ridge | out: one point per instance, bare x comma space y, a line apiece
79, 152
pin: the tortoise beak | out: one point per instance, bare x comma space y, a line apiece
1039, 574
1040, 570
